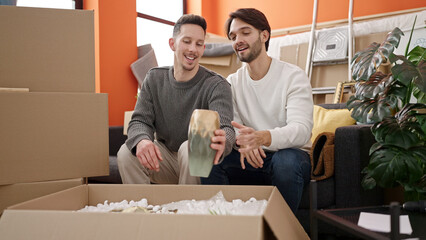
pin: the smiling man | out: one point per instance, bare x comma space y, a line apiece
167, 99
272, 111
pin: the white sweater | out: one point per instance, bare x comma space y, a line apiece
280, 102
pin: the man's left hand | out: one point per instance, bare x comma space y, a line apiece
250, 139
254, 158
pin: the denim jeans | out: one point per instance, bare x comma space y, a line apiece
287, 169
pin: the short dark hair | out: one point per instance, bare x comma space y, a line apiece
189, 19
253, 17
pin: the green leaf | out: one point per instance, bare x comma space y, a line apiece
382, 169
373, 87
411, 113
376, 146
361, 109
365, 62
368, 182
376, 98
420, 80
422, 183
421, 118
420, 154
404, 70
419, 95
389, 166
417, 54
414, 169
404, 130
415, 191
395, 92
411, 36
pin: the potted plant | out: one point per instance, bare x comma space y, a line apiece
399, 155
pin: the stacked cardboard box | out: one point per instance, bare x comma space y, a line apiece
224, 65
59, 130
55, 131
326, 76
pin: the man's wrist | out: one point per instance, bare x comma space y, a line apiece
266, 138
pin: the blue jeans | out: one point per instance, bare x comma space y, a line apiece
287, 169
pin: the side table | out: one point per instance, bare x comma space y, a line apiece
346, 219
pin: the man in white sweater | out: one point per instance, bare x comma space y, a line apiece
273, 108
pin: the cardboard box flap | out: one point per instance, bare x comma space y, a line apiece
277, 207
155, 194
47, 50
35, 224
52, 136
12, 194
70, 199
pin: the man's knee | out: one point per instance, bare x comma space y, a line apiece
289, 158
183, 155
231, 160
183, 149
124, 156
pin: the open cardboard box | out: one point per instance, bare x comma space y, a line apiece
53, 216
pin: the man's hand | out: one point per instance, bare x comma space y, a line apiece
250, 139
148, 154
218, 144
254, 158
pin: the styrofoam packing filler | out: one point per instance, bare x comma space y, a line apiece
217, 205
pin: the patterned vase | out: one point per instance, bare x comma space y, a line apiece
201, 129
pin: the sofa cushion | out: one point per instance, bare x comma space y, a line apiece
116, 139
327, 120
114, 175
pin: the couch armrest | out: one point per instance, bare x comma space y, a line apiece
116, 139
351, 152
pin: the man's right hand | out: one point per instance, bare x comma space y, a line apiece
148, 154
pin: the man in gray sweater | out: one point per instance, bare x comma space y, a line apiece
167, 99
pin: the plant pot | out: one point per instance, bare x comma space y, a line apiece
395, 194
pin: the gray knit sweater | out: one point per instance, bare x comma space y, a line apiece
165, 107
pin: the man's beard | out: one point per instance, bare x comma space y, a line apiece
254, 53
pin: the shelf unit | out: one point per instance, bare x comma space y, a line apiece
312, 43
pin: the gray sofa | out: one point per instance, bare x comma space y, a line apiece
343, 190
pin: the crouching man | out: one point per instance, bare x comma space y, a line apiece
167, 99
